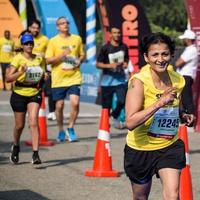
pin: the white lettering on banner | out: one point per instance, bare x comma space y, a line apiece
51, 20
89, 91
107, 146
92, 91
104, 135
90, 79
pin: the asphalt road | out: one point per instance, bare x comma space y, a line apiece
61, 175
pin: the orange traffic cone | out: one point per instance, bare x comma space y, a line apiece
102, 166
185, 179
42, 126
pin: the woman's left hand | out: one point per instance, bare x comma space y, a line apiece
188, 118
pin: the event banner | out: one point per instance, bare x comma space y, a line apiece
9, 19
193, 8
130, 17
49, 11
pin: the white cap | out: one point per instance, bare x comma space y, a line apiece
188, 34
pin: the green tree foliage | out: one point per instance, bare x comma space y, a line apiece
166, 16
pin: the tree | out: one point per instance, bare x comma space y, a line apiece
166, 16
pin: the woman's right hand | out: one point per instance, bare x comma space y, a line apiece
167, 97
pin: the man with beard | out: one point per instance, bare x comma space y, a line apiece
41, 42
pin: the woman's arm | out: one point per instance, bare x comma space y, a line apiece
134, 101
12, 74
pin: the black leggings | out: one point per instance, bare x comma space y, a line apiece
107, 96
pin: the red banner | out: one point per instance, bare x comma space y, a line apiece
129, 15
193, 8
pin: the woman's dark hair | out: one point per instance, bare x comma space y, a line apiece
155, 38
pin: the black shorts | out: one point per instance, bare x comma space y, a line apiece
108, 92
140, 166
19, 103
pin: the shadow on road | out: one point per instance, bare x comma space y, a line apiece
21, 195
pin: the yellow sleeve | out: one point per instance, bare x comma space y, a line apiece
15, 62
81, 49
50, 50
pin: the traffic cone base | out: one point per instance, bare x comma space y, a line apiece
94, 173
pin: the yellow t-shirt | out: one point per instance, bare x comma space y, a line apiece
40, 45
34, 73
6, 50
56, 46
167, 118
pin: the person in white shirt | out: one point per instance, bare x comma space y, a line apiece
187, 65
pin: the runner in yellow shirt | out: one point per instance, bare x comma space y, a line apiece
6, 54
65, 54
152, 118
27, 70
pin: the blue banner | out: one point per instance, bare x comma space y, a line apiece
89, 89
49, 11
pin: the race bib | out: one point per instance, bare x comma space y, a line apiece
33, 74
7, 48
165, 123
69, 62
117, 57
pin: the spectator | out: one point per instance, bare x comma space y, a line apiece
187, 65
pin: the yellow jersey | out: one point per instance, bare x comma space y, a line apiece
32, 76
6, 50
160, 130
59, 75
40, 45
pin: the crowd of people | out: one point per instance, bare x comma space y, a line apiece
156, 99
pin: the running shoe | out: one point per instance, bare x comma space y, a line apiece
36, 159
51, 116
71, 135
61, 136
14, 157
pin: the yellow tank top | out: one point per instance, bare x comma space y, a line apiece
33, 74
161, 129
